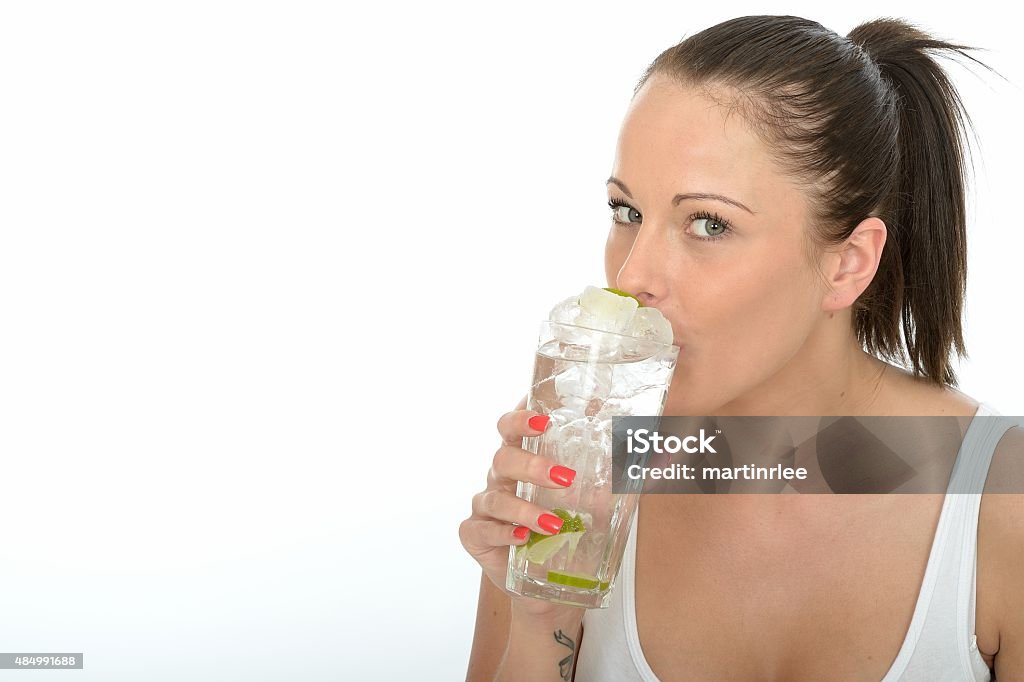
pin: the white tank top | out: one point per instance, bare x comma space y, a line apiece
940, 645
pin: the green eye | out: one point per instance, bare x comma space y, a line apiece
623, 213
712, 225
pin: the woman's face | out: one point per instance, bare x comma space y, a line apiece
730, 274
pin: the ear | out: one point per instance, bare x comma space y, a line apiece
853, 265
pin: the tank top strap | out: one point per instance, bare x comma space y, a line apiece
970, 470
986, 430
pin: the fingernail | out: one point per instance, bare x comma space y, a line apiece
550, 522
538, 422
562, 475
521, 532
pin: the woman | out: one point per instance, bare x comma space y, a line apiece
791, 200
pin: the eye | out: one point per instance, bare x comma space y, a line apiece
709, 226
623, 213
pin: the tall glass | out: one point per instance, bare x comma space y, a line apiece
582, 378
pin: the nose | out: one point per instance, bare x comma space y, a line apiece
643, 272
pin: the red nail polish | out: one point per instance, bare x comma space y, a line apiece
550, 522
562, 475
521, 532
538, 422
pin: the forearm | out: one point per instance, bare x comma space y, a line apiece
541, 648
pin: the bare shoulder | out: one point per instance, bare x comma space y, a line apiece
905, 394
1001, 557
1006, 472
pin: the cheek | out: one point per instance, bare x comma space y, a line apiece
752, 320
773, 300
762, 288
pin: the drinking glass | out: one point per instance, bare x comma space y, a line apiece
582, 379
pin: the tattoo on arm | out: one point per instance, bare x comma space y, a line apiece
565, 665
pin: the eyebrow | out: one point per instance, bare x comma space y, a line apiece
682, 197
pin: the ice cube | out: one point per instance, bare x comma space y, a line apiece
604, 310
566, 311
616, 407
574, 342
633, 378
566, 414
651, 325
582, 444
586, 381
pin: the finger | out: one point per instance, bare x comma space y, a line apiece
504, 506
516, 425
479, 535
512, 464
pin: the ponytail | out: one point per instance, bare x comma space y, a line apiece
921, 284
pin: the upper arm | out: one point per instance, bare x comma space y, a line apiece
493, 619
1003, 545
1006, 472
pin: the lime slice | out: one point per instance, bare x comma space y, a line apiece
542, 550
573, 522
620, 292
539, 547
587, 582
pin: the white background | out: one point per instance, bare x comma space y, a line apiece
270, 273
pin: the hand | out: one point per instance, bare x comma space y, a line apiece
500, 518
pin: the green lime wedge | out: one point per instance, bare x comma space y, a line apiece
573, 522
540, 547
620, 292
542, 550
587, 582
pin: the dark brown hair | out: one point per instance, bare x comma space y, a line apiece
867, 125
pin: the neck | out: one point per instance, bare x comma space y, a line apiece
830, 375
